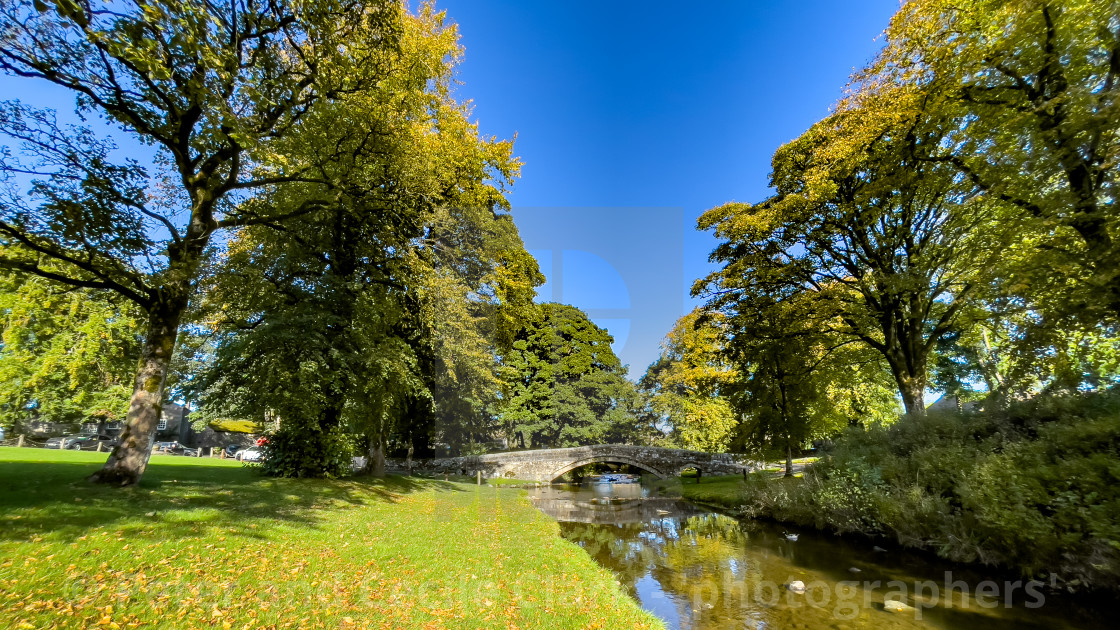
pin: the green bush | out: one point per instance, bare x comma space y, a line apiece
307, 453
1035, 487
847, 497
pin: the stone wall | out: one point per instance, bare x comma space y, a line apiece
43, 428
208, 438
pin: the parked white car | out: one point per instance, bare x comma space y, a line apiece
251, 455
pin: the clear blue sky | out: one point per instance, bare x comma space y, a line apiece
633, 118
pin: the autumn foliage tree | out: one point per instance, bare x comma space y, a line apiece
891, 249
1027, 94
213, 89
375, 315
689, 383
958, 206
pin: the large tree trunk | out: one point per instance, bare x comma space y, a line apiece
913, 390
129, 459
789, 457
375, 456
376, 463
909, 371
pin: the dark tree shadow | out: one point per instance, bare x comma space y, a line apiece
53, 499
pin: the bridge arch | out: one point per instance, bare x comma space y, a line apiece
605, 459
680, 468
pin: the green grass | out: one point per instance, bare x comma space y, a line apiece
502, 481
471, 479
720, 491
204, 543
730, 492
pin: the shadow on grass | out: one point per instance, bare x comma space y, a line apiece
52, 499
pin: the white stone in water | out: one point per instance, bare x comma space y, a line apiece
797, 586
895, 606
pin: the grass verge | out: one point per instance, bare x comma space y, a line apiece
729, 492
205, 543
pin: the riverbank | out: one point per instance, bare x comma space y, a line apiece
1034, 489
206, 543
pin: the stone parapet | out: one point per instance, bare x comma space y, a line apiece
545, 465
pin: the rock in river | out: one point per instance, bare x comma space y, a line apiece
895, 606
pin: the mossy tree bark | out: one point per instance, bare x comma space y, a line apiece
129, 459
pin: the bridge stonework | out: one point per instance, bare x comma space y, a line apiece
545, 465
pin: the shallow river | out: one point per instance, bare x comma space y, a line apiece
696, 568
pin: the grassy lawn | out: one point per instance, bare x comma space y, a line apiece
469, 479
206, 543
724, 491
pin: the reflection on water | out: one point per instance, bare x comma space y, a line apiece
698, 569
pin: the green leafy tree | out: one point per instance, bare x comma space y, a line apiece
1028, 94
1013, 352
215, 90
67, 355
565, 386
374, 314
688, 383
890, 249
798, 380
468, 335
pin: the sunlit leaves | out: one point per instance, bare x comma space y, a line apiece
565, 386
686, 382
377, 311
877, 244
67, 356
1029, 91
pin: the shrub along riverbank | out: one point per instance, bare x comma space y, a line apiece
1035, 489
207, 543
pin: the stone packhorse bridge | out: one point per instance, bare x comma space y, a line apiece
547, 464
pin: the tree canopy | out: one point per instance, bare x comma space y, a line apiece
216, 91
689, 383
888, 249
565, 386
67, 355
377, 314
1027, 93
955, 213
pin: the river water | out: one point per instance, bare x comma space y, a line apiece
696, 568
